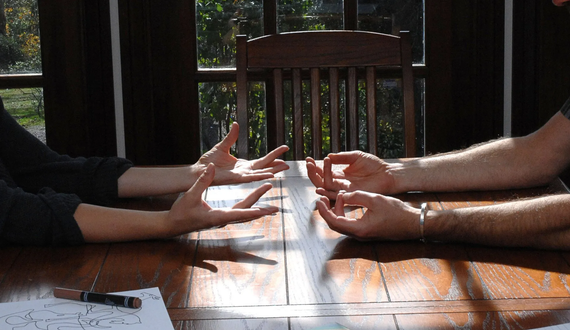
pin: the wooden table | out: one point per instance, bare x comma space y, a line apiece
290, 271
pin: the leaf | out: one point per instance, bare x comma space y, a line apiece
219, 8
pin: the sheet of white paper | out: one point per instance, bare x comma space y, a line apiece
565, 326
57, 313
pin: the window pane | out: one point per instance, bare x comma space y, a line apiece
27, 107
393, 16
303, 15
218, 112
20, 50
217, 24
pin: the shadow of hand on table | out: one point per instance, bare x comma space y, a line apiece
211, 251
389, 252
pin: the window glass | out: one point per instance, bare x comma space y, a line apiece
20, 50
27, 107
218, 111
303, 15
217, 24
393, 16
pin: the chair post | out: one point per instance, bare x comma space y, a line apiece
371, 110
352, 110
334, 110
408, 88
317, 134
241, 113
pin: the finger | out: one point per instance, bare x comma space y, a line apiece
203, 182
348, 157
230, 139
358, 198
253, 197
339, 205
270, 157
317, 168
339, 224
327, 169
274, 167
326, 201
330, 194
313, 175
227, 216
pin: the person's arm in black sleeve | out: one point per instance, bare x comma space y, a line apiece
33, 166
46, 218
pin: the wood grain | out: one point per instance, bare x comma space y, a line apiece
240, 264
322, 266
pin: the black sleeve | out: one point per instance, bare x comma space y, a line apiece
33, 166
566, 108
45, 218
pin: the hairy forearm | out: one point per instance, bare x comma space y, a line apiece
154, 181
539, 223
531, 160
500, 164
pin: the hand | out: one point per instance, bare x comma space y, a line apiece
192, 213
364, 172
387, 218
232, 170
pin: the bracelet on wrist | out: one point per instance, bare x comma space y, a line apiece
423, 211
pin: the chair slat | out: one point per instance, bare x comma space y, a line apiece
279, 111
371, 110
241, 112
317, 136
408, 91
352, 109
334, 110
297, 89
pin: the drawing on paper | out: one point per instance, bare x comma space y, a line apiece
75, 315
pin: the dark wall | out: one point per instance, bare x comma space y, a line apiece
541, 63
78, 79
464, 89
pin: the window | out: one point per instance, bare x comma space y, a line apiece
219, 21
20, 63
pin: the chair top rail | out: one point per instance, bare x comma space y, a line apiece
322, 49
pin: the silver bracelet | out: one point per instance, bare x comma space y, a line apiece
423, 211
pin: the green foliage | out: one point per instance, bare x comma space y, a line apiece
25, 105
219, 21
20, 49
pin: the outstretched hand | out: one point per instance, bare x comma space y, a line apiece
191, 213
387, 218
364, 172
230, 169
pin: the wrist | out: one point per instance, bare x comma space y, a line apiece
405, 176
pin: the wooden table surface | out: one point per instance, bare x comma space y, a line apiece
290, 271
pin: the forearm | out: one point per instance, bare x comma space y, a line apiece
101, 224
539, 223
500, 164
154, 181
531, 160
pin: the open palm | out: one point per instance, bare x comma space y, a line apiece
230, 169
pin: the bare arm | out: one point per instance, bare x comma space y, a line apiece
539, 223
527, 161
141, 181
189, 213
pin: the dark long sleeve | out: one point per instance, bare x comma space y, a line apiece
40, 189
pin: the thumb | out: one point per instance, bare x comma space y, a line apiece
204, 181
230, 139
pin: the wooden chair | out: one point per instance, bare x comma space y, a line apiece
345, 54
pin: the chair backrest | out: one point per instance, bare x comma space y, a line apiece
345, 55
